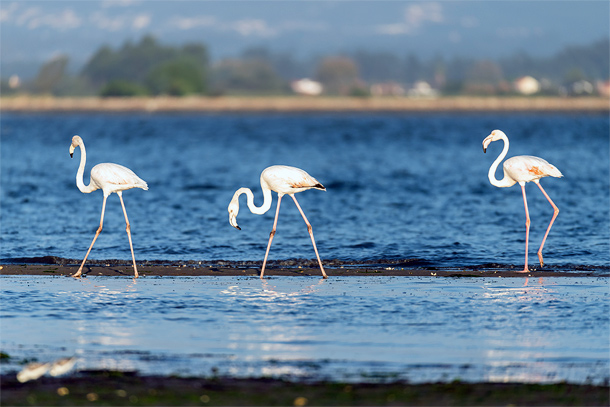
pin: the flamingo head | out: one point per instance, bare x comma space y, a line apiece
494, 136
233, 211
76, 141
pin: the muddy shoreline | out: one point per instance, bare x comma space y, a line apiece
54, 266
125, 388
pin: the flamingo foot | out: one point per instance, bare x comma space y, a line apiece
540, 258
525, 270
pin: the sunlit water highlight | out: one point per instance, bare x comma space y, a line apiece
353, 328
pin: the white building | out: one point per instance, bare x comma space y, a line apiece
527, 85
307, 87
422, 89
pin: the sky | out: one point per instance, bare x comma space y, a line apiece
32, 32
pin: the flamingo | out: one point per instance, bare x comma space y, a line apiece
522, 169
109, 178
285, 181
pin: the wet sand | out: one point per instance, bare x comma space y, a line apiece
52, 266
120, 389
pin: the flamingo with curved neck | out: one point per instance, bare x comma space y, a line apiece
284, 180
522, 169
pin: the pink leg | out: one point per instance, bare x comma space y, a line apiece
128, 229
555, 213
527, 227
310, 230
277, 212
80, 269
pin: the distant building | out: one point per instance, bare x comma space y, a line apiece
387, 89
603, 88
582, 87
527, 85
307, 87
14, 82
422, 89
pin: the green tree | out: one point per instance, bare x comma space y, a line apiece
339, 75
379, 66
252, 75
484, 78
51, 74
177, 77
149, 63
117, 87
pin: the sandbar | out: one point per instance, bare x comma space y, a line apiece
52, 266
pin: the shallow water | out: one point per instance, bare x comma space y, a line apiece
398, 186
355, 328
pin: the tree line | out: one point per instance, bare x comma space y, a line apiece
149, 68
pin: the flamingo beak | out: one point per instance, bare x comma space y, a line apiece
71, 151
233, 221
486, 143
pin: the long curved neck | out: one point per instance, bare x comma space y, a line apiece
253, 208
506, 181
81, 170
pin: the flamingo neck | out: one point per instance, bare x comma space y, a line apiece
506, 181
81, 170
253, 208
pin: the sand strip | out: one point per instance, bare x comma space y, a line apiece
25, 103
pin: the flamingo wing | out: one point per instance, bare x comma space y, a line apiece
117, 176
289, 180
526, 168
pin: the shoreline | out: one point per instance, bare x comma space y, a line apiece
118, 269
298, 104
127, 388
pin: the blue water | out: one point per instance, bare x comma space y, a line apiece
398, 186
344, 328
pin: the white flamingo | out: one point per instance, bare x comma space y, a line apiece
109, 178
522, 169
285, 181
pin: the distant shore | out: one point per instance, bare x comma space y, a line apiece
303, 104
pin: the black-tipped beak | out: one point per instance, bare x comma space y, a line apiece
71, 155
484, 150
237, 227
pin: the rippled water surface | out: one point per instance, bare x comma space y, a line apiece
355, 328
398, 186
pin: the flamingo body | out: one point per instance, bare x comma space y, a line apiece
289, 180
284, 180
527, 168
522, 169
110, 178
